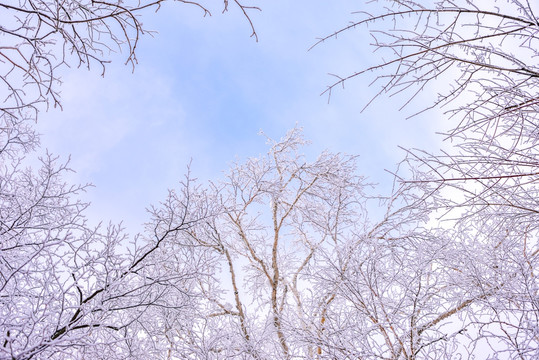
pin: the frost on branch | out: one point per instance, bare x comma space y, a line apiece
295, 267
39, 38
68, 290
481, 58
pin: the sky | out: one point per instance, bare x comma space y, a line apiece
202, 91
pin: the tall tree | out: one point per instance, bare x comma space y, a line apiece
297, 268
487, 52
68, 290
274, 216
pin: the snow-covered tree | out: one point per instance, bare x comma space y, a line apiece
297, 268
272, 217
481, 58
68, 290
40, 37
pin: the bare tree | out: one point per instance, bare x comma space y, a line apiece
290, 265
68, 290
39, 37
487, 185
296, 268
275, 215
402, 288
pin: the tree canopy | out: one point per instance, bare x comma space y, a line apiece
283, 258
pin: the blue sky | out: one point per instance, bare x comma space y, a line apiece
202, 91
